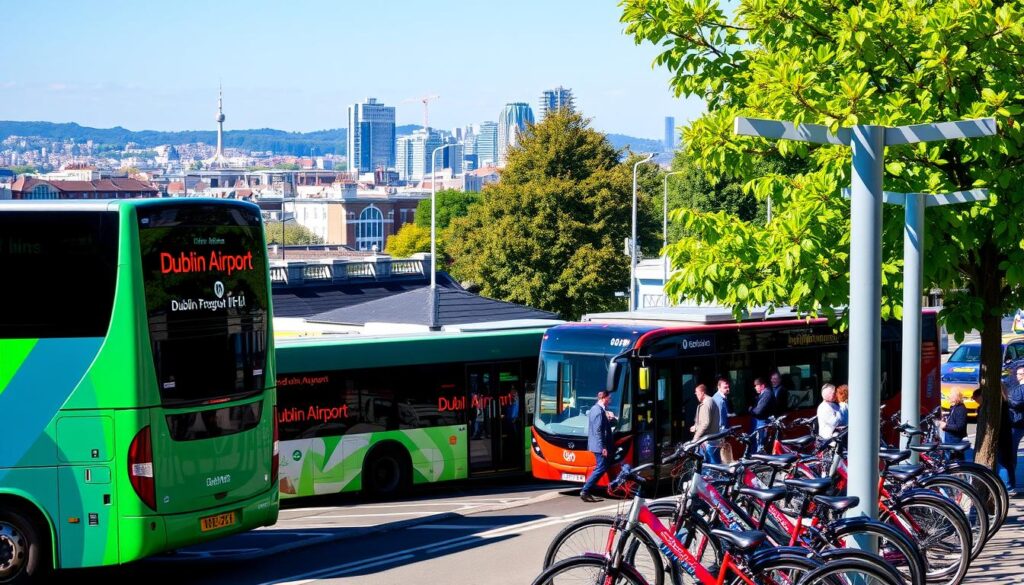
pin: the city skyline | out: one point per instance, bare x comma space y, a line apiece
307, 85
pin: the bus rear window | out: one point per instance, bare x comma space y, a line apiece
205, 277
59, 270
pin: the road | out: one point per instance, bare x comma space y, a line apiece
495, 534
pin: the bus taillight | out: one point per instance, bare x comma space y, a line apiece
140, 467
275, 460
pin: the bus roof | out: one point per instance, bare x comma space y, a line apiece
374, 351
675, 316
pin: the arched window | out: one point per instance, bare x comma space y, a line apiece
370, 232
43, 191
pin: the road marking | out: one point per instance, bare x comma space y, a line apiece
311, 576
453, 526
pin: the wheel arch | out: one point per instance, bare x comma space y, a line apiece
36, 513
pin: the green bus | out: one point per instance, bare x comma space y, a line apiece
136, 380
378, 413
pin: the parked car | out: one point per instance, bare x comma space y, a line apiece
963, 370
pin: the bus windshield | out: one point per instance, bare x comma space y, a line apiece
568, 387
206, 301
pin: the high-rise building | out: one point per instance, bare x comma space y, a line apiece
514, 119
371, 136
552, 100
413, 155
670, 133
487, 145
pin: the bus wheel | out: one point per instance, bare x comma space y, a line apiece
23, 552
385, 473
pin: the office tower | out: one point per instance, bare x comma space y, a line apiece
514, 119
555, 99
413, 155
371, 136
670, 133
487, 145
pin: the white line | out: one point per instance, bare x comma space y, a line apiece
341, 570
453, 526
371, 515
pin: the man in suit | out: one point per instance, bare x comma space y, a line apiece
762, 411
599, 441
780, 395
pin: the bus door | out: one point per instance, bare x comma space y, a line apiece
495, 415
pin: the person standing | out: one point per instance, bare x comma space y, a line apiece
706, 422
1015, 405
779, 393
843, 398
721, 399
1006, 455
599, 441
954, 426
828, 412
762, 411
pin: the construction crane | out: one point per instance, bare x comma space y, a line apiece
425, 100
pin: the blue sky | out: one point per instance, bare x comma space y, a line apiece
298, 65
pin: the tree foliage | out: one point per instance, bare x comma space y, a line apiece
295, 234
409, 240
450, 204
550, 233
891, 63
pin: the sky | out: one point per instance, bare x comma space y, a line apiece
156, 64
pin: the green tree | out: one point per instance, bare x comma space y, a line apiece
844, 63
295, 234
409, 240
285, 166
450, 204
23, 169
550, 233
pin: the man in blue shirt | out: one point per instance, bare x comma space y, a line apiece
599, 441
721, 399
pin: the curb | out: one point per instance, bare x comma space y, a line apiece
350, 533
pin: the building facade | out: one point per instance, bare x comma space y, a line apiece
486, 148
364, 222
513, 121
371, 136
670, 133
552, 100
413, 154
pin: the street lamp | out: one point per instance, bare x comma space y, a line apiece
664, 233
632, 242
433, 239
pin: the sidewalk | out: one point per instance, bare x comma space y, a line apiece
1002, 561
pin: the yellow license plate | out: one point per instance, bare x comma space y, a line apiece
217, 522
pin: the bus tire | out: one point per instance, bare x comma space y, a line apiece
24, 547
386, 472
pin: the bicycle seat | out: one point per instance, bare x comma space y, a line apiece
744, 541
894, 456
924, 447
837, 503
905, 473
765, 495
810, 486
723, 468
799, 442
956, 447
778, 461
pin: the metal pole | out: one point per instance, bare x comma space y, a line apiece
433, 231
632, 242
282, 221
913, 265
868, 144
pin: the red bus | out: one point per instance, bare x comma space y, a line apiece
653, 360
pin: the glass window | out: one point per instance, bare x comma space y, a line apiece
370, 232
798, 372
430, 395
568, 388
316, 404
60, 270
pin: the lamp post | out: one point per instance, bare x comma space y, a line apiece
632, 241
433, 239
664, 233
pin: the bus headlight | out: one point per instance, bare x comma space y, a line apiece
536, 447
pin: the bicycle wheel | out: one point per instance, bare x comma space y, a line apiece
589, 569
775, 568
694, 533
940, 531
894, 546
963, 495
993, 493
839, 554
590, 535
848, 572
